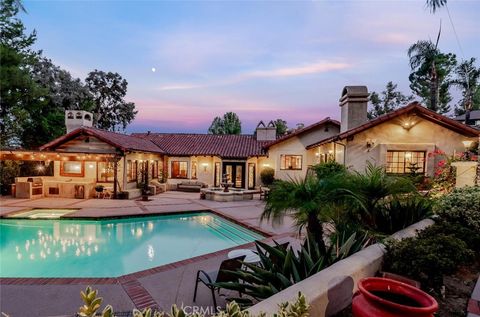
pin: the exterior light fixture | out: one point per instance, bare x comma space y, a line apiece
467, 144
266, 165
205, 165
371, 143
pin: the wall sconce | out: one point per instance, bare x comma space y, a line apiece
467, 144
266, 165
408, 123
317, 154
90, 165
371, 143
205, 165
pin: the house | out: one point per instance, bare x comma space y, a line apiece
400, 140
474, 118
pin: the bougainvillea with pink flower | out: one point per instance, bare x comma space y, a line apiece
444, 173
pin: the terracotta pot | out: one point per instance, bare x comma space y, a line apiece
384, 297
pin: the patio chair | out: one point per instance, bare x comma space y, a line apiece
210, 278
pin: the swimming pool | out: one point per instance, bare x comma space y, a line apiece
113, 247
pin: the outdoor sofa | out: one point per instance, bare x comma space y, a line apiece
191, 186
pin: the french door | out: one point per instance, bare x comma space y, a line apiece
235, 173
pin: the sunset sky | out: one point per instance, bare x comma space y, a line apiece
261, 59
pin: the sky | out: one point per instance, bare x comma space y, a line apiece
189, 61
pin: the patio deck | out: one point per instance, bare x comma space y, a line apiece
160, 287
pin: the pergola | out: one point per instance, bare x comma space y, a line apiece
47, 156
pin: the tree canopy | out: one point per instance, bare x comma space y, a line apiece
387, 101
35, 92
281, 126
110, 109
467, 79
229, 124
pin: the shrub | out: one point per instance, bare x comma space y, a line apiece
328, 169
469, 236
461, 206
402, 212
427, 258
267, 176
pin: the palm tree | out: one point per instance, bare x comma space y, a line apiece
309, 201
434, 5
424, 54
468, 81
371, 190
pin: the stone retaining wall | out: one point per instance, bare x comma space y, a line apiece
331, 290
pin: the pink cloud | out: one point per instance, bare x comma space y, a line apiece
287, 71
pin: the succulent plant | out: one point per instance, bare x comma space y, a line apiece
299, 308
92, 304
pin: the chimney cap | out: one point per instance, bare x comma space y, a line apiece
355, 91
261, 124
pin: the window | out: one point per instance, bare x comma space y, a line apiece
406, 162
251, 175
179, 169
194, 170
132, 167
73, 169
290, 162
154, 169
217, 176
105, 172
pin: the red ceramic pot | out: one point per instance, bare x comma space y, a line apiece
383, 297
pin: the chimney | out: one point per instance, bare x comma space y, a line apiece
266, 133
353, 104
75, 119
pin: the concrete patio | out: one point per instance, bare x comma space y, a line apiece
170, 285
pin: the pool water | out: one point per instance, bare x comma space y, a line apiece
111, 248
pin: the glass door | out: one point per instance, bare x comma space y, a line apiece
218, 176
235, 173
251, 175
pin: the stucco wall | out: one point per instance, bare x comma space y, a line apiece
296, 146
423, 136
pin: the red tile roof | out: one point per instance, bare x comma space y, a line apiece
413, 107
123, 142
325, 121
225, 146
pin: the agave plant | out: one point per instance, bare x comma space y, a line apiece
281, 266
92, 304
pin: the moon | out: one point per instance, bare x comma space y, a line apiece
153, 69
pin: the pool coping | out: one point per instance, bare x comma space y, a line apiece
269, 237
